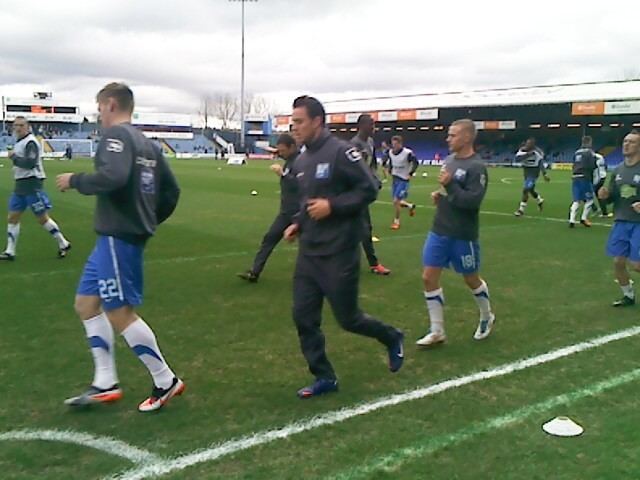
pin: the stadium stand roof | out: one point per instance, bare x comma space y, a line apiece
545, 94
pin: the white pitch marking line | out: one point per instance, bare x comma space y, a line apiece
214, 256
391, 461
220, 450
104, 444
504, 214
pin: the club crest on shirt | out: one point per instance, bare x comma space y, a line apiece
114, 145
354, 155
460, 174
636, 179
322, 171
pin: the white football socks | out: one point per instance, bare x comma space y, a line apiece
101, 342
435, 307
142, 341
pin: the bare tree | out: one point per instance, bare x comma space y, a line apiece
225, 107
261, 105
206, 109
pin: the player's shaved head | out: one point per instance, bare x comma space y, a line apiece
121, 95
366, 125
466, 125
365, 119
587, 141
462, 133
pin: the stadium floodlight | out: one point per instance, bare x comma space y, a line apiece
242, 128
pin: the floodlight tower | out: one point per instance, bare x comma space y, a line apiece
242, 127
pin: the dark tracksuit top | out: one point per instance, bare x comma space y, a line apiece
134, 186
331, 168
289, 198
368, 151
289, 205
328, 264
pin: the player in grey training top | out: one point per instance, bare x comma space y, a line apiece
624, 239
532, 160
363, 141
453, 240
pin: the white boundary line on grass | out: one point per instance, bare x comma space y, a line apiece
214, 256
504, 214
230, 447
104, 444
395, 459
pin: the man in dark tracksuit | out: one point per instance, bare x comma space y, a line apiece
289, 206
335, 189
364, 143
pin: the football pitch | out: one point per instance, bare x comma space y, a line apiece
464, 410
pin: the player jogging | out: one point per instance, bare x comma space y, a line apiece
29, 175
624, 240
599, 180
402, 164
135, 191
453, 239
363, 141
532, 160
289, 205
584, 163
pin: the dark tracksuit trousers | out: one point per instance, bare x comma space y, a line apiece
334, 277
367, 243
270, 240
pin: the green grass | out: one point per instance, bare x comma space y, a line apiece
236, 347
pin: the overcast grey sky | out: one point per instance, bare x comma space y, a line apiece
173, 53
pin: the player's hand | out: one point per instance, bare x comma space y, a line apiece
291, 232
63, 181
603, 193
444, 178
435, 197
636, 207
277, 169
11, 154
318, 208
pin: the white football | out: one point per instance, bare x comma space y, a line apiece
254, 193
424, 175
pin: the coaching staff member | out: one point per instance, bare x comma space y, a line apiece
335, 188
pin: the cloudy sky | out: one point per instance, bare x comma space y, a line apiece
173, 53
